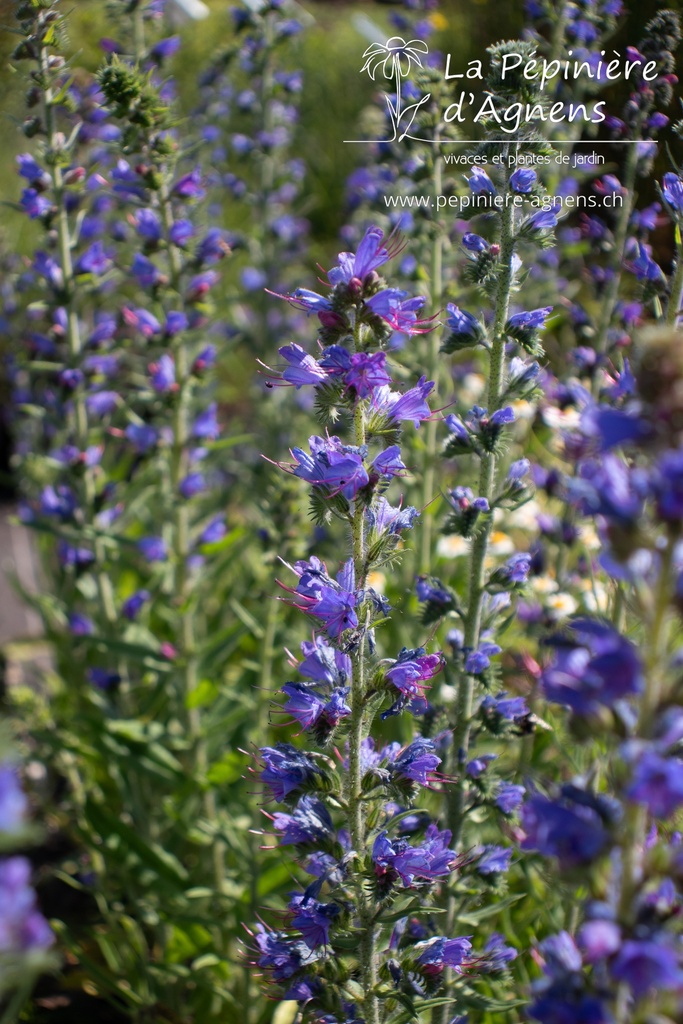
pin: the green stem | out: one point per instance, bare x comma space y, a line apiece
16, 1003
367, 953
73, 335
436, 293
635, 824
455, 798
181, 548
673, 306
480, 544
616, 261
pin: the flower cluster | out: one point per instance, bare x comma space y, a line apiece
358, 838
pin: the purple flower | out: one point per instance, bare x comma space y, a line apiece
509, 797
254, 280
531, 320
431, 590
437, 953
324, 664
280, 953
332, 465
331, 601
497, 954
412, 668
77, 558
163, 374
544, 220
309, 822
132, 606
308, 706
49, 269
371, 254
302, 368
148, 225
190, 185
32, 171
286, 769
201, 285
463, 325
176, 322
647, 966
479, 182
658, 783
399, 310
609, 487
478, 661
35, 204
102, 403
493, 860
388, 463
428, 861
367, 372
523, 179
192, 485
645, 268
594, 665
166, 48
417, 761
214, 532
672, 190
181, 232
141, 320
153, 549
474, 244
667, 486
206, 423
142, 436
410, 406
22, 926
313, 919
385, 519
102, 678
13, 803
561, 828
146, 273
81, 625
599, 939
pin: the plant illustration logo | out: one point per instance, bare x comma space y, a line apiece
394, 61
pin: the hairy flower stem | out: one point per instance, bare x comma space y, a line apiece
436, 292
635, 823
616, 261
73, 333
455, 798
367, 953
480, 543
181, 549
673, 306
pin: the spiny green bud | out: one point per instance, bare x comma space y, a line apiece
121, 85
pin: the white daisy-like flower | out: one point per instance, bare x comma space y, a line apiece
452, 547
395, 57
544, 585
561, 605
471, 389
188, 10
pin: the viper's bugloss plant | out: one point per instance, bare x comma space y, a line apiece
358, 941
25, 936
120, 419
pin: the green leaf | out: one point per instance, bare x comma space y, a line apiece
152, 855
204, 693
474, 918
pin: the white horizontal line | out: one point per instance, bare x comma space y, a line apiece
501, 142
